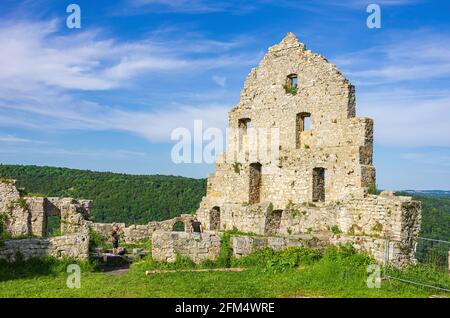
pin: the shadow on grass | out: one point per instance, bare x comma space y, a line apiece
34, 267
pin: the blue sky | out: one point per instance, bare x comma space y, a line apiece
107, 96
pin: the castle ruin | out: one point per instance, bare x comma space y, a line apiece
314, 187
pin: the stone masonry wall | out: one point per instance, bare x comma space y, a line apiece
245, 245
17, 222
166, 245
74, 246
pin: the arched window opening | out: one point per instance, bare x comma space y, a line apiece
178, 227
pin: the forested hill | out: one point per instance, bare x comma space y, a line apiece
435, 213
133, 199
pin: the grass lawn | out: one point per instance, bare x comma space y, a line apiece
326, 277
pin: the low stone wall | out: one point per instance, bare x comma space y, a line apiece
74, 246
166, 245
374, 246
245, 245
134, 233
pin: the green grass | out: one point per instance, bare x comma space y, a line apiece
290, 273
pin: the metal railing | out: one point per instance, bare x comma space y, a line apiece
430, 262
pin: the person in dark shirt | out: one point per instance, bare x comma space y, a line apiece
197, 226
115, 239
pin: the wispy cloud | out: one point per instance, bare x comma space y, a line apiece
34, 54
194, 6
84, 153
403, 84
408, 118
42, 73
154, 125
422, 56
11, 139
219, 80
243, 7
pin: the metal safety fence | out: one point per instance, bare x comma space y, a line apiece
430, 267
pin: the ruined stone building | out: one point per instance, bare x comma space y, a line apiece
322, 175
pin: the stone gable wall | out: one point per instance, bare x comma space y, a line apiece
336, 141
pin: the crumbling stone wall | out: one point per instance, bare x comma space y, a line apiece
135, 233
29, 215
166, 245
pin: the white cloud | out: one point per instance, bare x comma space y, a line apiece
34, 54
43, 73
242, 7
155, 125
403, 85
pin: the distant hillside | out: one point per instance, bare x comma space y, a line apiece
435, 213
132, 199
430, 193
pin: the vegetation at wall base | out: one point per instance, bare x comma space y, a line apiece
296, 272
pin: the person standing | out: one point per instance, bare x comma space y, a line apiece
197, 227
115, 238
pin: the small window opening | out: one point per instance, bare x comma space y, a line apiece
255, 183
53, 226
291, 85
303, 123
318, 194
244, 125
